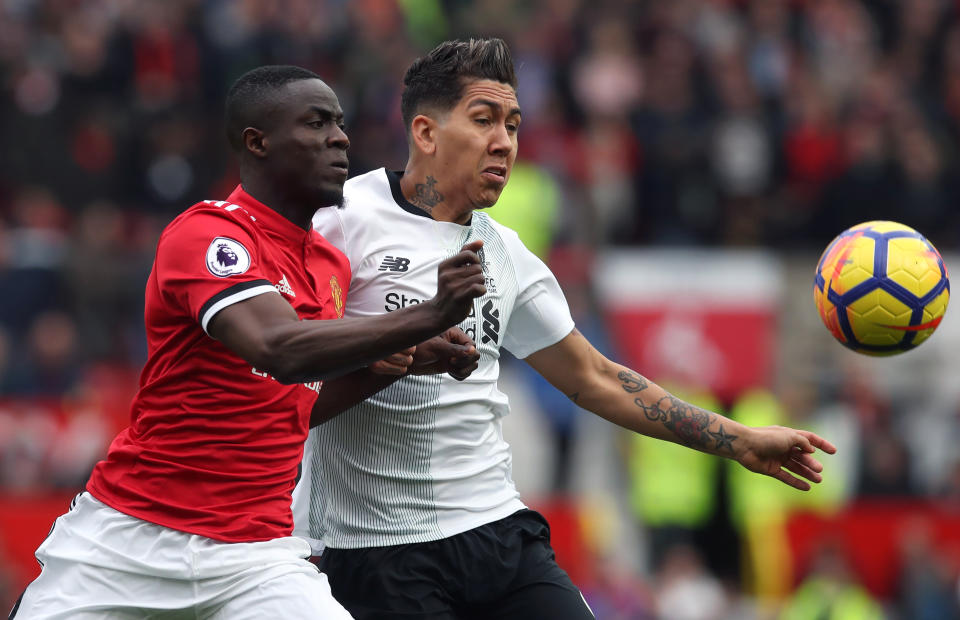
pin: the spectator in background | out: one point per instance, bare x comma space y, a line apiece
885, 469
928, 578
867, 188
924, 199
47, 366
813, 156
831, 591
608, 83
99, 279
33, 255
677, 203
26, 432
769, 51
742, 153
686, 590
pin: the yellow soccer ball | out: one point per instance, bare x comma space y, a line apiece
881, 288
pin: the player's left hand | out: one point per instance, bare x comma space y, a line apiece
781, 452
396, 364
452, 352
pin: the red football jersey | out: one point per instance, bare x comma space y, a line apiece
213, 444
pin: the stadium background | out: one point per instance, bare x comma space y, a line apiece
682, 164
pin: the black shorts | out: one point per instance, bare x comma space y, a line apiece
504, 569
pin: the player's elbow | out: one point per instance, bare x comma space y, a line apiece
282, 370
268, 355
289, 364
282, 367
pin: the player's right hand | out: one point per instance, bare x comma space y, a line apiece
460, 280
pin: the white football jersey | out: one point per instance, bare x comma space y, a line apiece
425, 458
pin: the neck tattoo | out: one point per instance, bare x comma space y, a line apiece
427, 195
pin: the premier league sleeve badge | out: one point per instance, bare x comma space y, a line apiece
227, 257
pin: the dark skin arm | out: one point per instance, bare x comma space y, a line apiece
266, 332
452, 352
340, 394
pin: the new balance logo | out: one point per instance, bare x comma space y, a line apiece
283, 287
491, 323
396, 264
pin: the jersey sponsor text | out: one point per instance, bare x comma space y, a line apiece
395, 301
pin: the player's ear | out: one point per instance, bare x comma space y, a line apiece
254, 141
423, 133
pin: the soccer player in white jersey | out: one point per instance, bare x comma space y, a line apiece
411, 491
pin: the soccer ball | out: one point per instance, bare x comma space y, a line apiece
881, 288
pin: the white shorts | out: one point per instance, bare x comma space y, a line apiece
99, 563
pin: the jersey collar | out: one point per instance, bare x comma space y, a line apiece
393, 176
265, 216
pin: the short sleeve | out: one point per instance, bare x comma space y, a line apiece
207, 261
540, 316
328, 223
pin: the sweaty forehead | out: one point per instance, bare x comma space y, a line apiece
489, 91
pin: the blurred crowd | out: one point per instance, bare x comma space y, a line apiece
718, 123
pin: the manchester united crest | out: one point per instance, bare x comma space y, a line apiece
337, 294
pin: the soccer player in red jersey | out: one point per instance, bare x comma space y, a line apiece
190, 510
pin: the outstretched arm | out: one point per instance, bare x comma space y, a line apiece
626, 398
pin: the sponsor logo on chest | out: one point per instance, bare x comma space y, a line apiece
484, 323
490, 323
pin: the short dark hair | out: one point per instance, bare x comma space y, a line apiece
437, 79
252, 95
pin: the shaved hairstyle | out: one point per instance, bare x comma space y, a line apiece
253, 94
436, 81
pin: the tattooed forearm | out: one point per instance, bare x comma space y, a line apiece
632, 382
427, 196
691, 424
688, 423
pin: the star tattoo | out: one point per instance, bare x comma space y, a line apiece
723, 439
